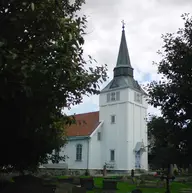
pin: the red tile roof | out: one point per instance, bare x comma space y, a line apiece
85, 124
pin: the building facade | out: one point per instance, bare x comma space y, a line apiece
116, 135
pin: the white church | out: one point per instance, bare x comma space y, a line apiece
116, 135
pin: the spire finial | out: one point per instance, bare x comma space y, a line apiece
123, 24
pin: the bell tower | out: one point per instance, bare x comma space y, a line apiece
123, 108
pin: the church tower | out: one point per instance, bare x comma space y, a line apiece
123, 110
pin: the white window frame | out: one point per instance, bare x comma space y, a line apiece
79, 150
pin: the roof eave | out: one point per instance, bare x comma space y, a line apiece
74, 138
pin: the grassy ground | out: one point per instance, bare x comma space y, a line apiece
124, 187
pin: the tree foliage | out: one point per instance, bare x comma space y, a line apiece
42, 70
174, 93
163, 143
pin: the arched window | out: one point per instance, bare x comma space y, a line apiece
78, 152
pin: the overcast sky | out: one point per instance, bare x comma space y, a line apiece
146, 21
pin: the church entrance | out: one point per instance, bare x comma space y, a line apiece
138, 160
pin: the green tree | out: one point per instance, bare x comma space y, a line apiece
42, 70
174, 93
163, 140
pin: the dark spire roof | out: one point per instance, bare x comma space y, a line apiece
123, 66
123, 72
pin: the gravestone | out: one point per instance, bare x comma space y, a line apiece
64, 188
28, 184
136, 191
149, 184
49, 188
66, 180
49, 181
19, 188
76, 181
27, 180
110, 184
79, 190
87, 183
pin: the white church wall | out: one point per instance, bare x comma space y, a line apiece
138, 133
129, 128
114, 134
70, 151
95, 150
130, 136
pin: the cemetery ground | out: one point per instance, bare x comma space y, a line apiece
115, 184
125, 187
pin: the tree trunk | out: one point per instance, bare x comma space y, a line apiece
167, 179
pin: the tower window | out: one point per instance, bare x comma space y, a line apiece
138, 97
112, 119
113, 96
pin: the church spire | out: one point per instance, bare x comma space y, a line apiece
123, 66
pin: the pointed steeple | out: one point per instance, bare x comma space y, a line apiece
123, 66
123, 72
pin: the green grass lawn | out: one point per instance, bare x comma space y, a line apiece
124, 187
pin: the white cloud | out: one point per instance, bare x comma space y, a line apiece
146, 21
